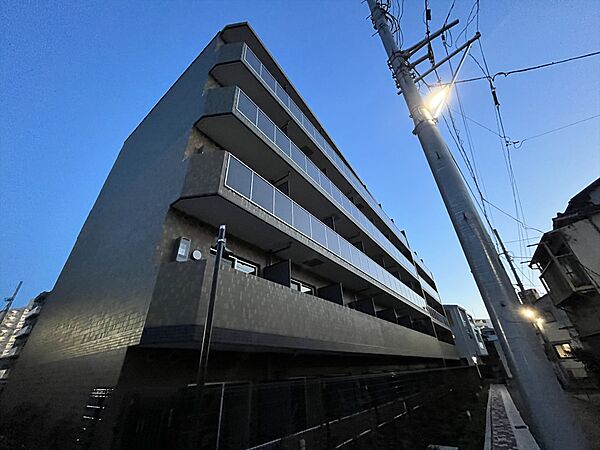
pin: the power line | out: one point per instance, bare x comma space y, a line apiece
515, 219
518, 144
527, 69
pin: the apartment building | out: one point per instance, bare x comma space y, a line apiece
318, 280
568, 258
561, 343
467, 335
14, 333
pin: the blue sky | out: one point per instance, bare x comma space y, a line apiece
77, 77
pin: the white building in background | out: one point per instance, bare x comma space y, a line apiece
468, 338
10, 326
14, 331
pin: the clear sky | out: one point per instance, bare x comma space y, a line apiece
77, 77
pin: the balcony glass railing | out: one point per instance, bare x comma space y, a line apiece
290, 151
277, 90
256, 189
437, 315
430, 290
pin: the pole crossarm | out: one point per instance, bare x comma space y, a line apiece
465, 47
419, 45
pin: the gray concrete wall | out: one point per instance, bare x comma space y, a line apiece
254, 312
99, 303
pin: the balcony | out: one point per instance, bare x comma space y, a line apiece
23, 332
239, 66
234, 121
34, 312
562, 273
437, 316
255, 211
12, 353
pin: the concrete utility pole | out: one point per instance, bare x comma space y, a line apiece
542, 400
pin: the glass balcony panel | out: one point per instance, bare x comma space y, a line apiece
309, 126
283, 207
339, 162
329, 150
266, 125
247, 107
262, 193
282, 141
239, 177
364, 264
313, 171
318, 231
356, 260
296, 111
268, 78
325, 183
347, 205
252, 60
345, 251
336, 194
298, 157
320, 140
283, 96
333, 243
316, 135
301, 219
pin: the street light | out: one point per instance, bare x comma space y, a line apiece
208, 322
436, 99
528, 313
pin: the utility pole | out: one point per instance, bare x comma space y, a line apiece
541, 398
9, 301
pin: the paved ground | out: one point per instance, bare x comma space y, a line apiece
587, 408
505, 429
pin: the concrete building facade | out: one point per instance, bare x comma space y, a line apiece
467, 335
319, 280
568, 258
561, 342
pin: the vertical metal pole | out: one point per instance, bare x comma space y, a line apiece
543, 402
208, 323
9, 301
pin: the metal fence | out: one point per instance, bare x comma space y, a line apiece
325, 412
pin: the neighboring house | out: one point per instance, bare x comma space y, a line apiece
560, 340
569, 260
468, 338
318, 280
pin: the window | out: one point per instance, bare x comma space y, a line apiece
564, 350
238, 263
302, 287
244, 266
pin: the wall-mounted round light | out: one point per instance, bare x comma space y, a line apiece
196, 255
